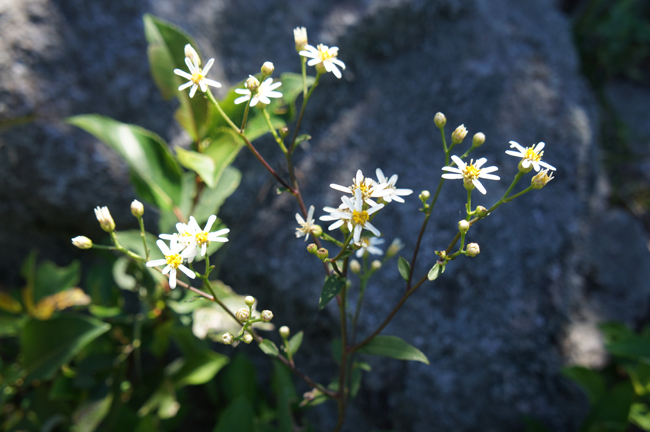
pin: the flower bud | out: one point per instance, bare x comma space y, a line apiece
440, 120
249, 300
375, 265
463, 226
478, 140
394, 248
252, 84
312, 248
473, 249
355, 267
248, 338
191, 54
300, 37
425, 195
322, 253
523, 170
242, 314
468, 184
540, 179
285, 332
284, 132
267, 68
137, 209
320, 68
227, 338
267, 315
481, 211
458, 135
105, 219
316, 230
442, 254
82, 242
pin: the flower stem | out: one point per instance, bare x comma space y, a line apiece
273, 131
144, 237
243, 122
292, 146
343, 248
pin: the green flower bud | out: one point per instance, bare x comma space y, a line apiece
479, 139
463, 226
425, 195
316, 230
375, 265
249, 300
252, 84
267, 68
284, 131
82, 242
355, 267
481, 211
137, 209
227, 338
284, 332
523, 170
541, 179
473, 249
394, 248
242, 314
440, 120
248, 338
312, 248
105, 219
322, 253
300, 37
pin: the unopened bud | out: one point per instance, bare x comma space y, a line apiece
322, 253
105, 219
82, 242
227, 338
355, 267
442, 254
463, 226
473, 249
425, 195
523, 170
267, 315
267, 68
481, 211
300, 37
137, 209
191, 54
252, 84
249, 300
284, 131
469, 185
478, 140
320, 68
394, 248
242, 314
316, 230
285, 332
458, 135
312, 248
440, 120
541, 179
248, 338
375, 265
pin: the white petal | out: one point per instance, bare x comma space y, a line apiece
525, 163
402, 192
452, 169
310, 213
339, 63
299, 219
190, 65
182, 73
167, 270
167, 236
243, 91
535, 165
313, 61
380, 176
335, 70
357, 232
539, 147
213, 236
212, 83
275, 85
207, 67
489, 176
193, 91
340, 188
514, 153
335, 225
370, 227
452, 176
544, 164
517, 146
487, 170
274, 94
194, 226
204, 249
242, 99
156, 263
264, 99
184, 86
459, 162
211, 221
203, 86
189, 273
374, 209
163, 247
479, 186
374, 250
479, 163
172, 279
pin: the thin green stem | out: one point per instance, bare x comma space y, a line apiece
144, 237
125, 251
331, 239
343, 248
273, 131
245, 119
223, 114
469, 204
444, 144
343, 391
292, 146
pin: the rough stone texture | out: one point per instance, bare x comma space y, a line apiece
496, 328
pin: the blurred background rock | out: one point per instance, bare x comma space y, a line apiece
497, 328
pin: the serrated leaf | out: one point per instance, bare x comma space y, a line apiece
295, 342
154, 171
436, 271
200, 163
331, 288
269, 348
393, 347
404, 268
591, 382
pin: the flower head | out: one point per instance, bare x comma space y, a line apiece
325, 56
300, 37
459, 134
196, 78
541, 179
263, 93
354, 215
530, 156
470, 173
389, 185
369, 244
201, 238
173, 261
368, 187
305, 225
105, 219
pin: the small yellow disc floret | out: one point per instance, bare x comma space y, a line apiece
174, 260
202, 237
359, 217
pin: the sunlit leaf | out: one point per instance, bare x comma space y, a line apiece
211, 200
640, 416
9, 304
295, 342
436, 271
87, 416
51, 279
200, 368
394, 347
269, 348
200, 163
62, 300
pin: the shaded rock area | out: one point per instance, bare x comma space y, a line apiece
496, 328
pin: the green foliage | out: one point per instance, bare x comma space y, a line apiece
269, 348
404, 268
393, 347
436, 271
331, 288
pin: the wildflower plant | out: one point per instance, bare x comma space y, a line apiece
175, 282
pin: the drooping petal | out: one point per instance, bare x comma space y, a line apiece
172, 279
189, 273
357, 232
193, 91
370, 227
479, 186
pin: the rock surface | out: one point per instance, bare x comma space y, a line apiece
497, 328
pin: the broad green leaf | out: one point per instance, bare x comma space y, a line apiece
239, 416
11, 325
63, 389
155, 172
164, 400
203, 165
404, 268
640, 376
166, 52
285, 395
640, 416
121, 275
47, 345
635, 348
291, 88
160, 341
200, 368
591, 382
295, 342
269, 348
393, 347
436, 271
331, 288
223, 150
132, 240
615, 331
355, 381
104, 311
611, 412
87, 416
9, 304
238, 379
211, 200
169, 219
51, 279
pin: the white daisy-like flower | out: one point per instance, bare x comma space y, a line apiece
356, 217
196, 78
470, 173
530, 156
173, 261
263, 93
305, 225
201, 238
369, 244
326, 56
368, 187
389, 185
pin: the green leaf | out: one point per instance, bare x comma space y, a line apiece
51, 279
336, 350
203, 165
47, 345
292, 88
87, 416
11, 325
285, 395
436, 271
238, 379
614, 331
404, 268
331, 288
591, 382
163, 399
9, 304
640, 416
295, 342
155, 173
301, 138
355, 381
238, 416
169, 219
269, 348
200, 368
611, 412
640, 376
166, 52
223, 149
211, 200
634, 347
393, 347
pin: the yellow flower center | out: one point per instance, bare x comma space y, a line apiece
197, 77
530, 154
202, 237
359, 217
471, 172
324, 53
174, 260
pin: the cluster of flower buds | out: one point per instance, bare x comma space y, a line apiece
245, 316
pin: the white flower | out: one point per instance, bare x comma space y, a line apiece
263, 93
326, 56
389, 185
305, 225
300, 37
201, 238
530, 155
105, 219
173, 261
368, 187
470, 173
196, 78
356, 217
369, 244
